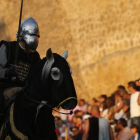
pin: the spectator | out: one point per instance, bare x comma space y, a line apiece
78, 113
96, 128
94, 101
120, 88
103, 110
125, 130
134, 106
56, 120
102, 98
83, 106
126, 108
135, 132
77, 135
137, 82
89, 109
79, 123
73, 122
61, 127
119, 104
110, 104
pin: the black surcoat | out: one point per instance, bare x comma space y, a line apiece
26, 63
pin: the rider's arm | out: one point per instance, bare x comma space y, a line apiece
3, 61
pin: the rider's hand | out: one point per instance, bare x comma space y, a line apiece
11, 71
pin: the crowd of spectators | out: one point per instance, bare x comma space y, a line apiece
116, 117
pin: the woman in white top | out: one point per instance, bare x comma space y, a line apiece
103, 110
119, 104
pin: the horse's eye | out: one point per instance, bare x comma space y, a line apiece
55, 73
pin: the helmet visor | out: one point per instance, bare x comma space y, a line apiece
32, 41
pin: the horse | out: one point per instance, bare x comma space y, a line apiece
29, 114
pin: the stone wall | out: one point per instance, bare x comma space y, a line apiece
102, 36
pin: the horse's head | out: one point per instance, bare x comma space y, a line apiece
56, 74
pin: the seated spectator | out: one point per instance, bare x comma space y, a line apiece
83, 106
103, 110
77, 135
78, 113
125, 133
79, 123
135, 132
119, 104
56, 120
72, 122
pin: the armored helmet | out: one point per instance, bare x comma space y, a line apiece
29, 32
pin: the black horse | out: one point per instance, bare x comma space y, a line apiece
50, 85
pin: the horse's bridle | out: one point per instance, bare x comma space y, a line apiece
45, 104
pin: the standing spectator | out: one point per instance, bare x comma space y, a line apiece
120, 88
125, 130
102, 98
135, 132
126, 108
94, 101
103, 110
111, 110
96, 128
83, 106
137, 82
119, 104
134, 106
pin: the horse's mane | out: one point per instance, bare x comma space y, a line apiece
46, 69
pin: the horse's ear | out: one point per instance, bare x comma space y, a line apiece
65, 54
49, 54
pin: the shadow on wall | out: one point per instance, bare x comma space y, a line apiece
3, 32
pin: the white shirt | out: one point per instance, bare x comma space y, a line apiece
105, 113
134, 107
120, 114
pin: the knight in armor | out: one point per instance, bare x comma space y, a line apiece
14, 77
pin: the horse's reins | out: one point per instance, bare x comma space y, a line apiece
71, 112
